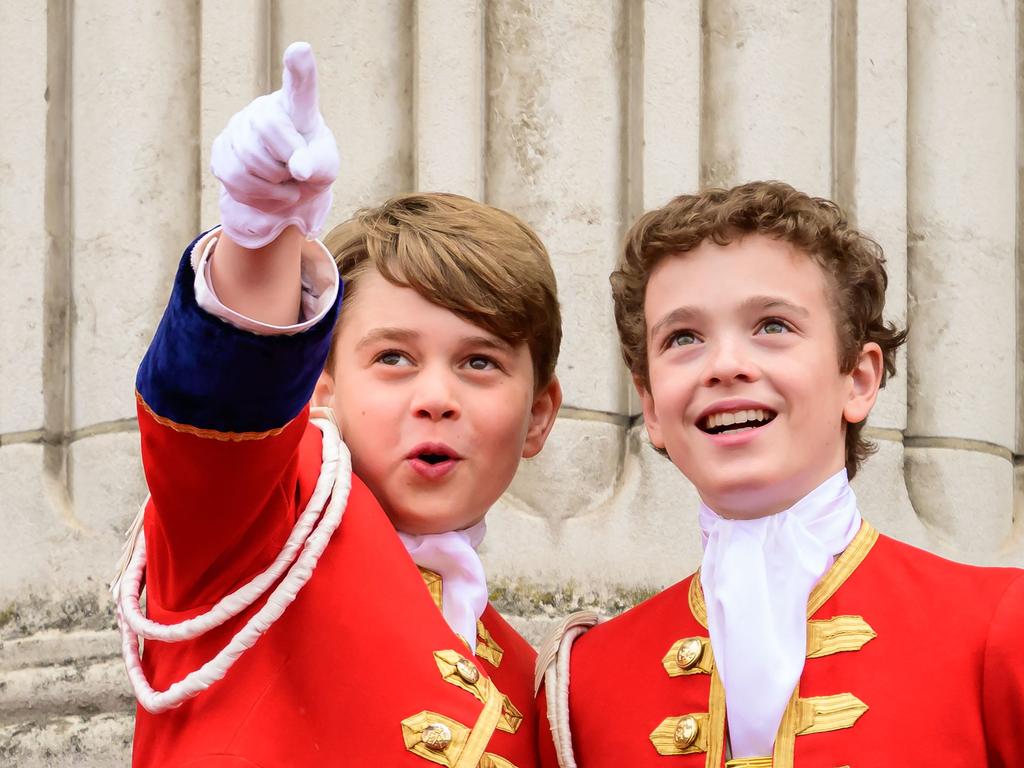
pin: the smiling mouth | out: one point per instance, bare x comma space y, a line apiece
736, 421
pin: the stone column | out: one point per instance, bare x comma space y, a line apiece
365, 64
448, 89
555, 133
768, 94
961, 213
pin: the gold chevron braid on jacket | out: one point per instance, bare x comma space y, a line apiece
825, 637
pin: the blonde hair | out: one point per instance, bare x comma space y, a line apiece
853, 265
479, 262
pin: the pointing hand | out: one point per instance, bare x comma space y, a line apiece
276, 159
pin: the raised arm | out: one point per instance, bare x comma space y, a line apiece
224, 387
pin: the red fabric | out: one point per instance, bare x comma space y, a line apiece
943, 680
331, 681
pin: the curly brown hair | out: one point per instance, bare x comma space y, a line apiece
475, 260
853, 264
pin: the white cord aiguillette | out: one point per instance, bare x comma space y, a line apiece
311, 534
552, 669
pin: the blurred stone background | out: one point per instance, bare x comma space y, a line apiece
576, 115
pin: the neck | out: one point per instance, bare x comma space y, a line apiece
759, 502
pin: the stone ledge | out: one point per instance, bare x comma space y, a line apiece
81, 688
95, 741
52, 647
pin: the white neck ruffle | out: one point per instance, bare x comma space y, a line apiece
453, 556
757, 576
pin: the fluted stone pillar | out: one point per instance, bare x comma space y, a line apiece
962, 217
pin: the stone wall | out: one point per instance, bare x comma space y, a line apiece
576, 115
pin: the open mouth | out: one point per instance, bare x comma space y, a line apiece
433, 458
736, 421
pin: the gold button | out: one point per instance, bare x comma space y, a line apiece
436, 736
690, 652
467, 671
686, 732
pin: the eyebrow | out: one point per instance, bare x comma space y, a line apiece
406, 336
387, 334
762, 303
775, 302
487, 342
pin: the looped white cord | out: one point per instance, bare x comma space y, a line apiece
553, 663
335, 482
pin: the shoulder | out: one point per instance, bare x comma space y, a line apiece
661, 619
905, 583
919, 569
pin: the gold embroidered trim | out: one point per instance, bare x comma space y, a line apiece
842, 568
696, 598
493, 761
481, 734
685, 649
460, 747
208, 434
834, 578
413, 729
461, 672
785, 739
749, 762
511, 718
486, 647
819, 714
665, 736
837, 635
433, 581
716, 724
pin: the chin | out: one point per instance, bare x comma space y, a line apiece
740, 492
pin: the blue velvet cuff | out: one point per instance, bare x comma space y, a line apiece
203, 372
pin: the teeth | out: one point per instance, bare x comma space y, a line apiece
725, 419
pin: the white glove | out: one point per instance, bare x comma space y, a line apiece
277, 159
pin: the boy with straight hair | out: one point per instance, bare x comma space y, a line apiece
751, 321
334, 586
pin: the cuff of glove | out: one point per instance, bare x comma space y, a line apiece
252, 228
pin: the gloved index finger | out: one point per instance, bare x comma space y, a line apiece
299, 86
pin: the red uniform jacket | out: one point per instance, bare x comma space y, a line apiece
912, 661
363, 661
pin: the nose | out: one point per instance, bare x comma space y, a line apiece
729, 360
435, 396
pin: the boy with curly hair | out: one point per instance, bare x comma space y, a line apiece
751, 321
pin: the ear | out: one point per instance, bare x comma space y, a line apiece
650, 415
542, 417
865, 381
323, 393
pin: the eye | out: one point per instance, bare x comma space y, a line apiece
773, 326
681, 339
481, 363
393, 358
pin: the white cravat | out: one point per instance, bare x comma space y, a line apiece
452, 554
757, 576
